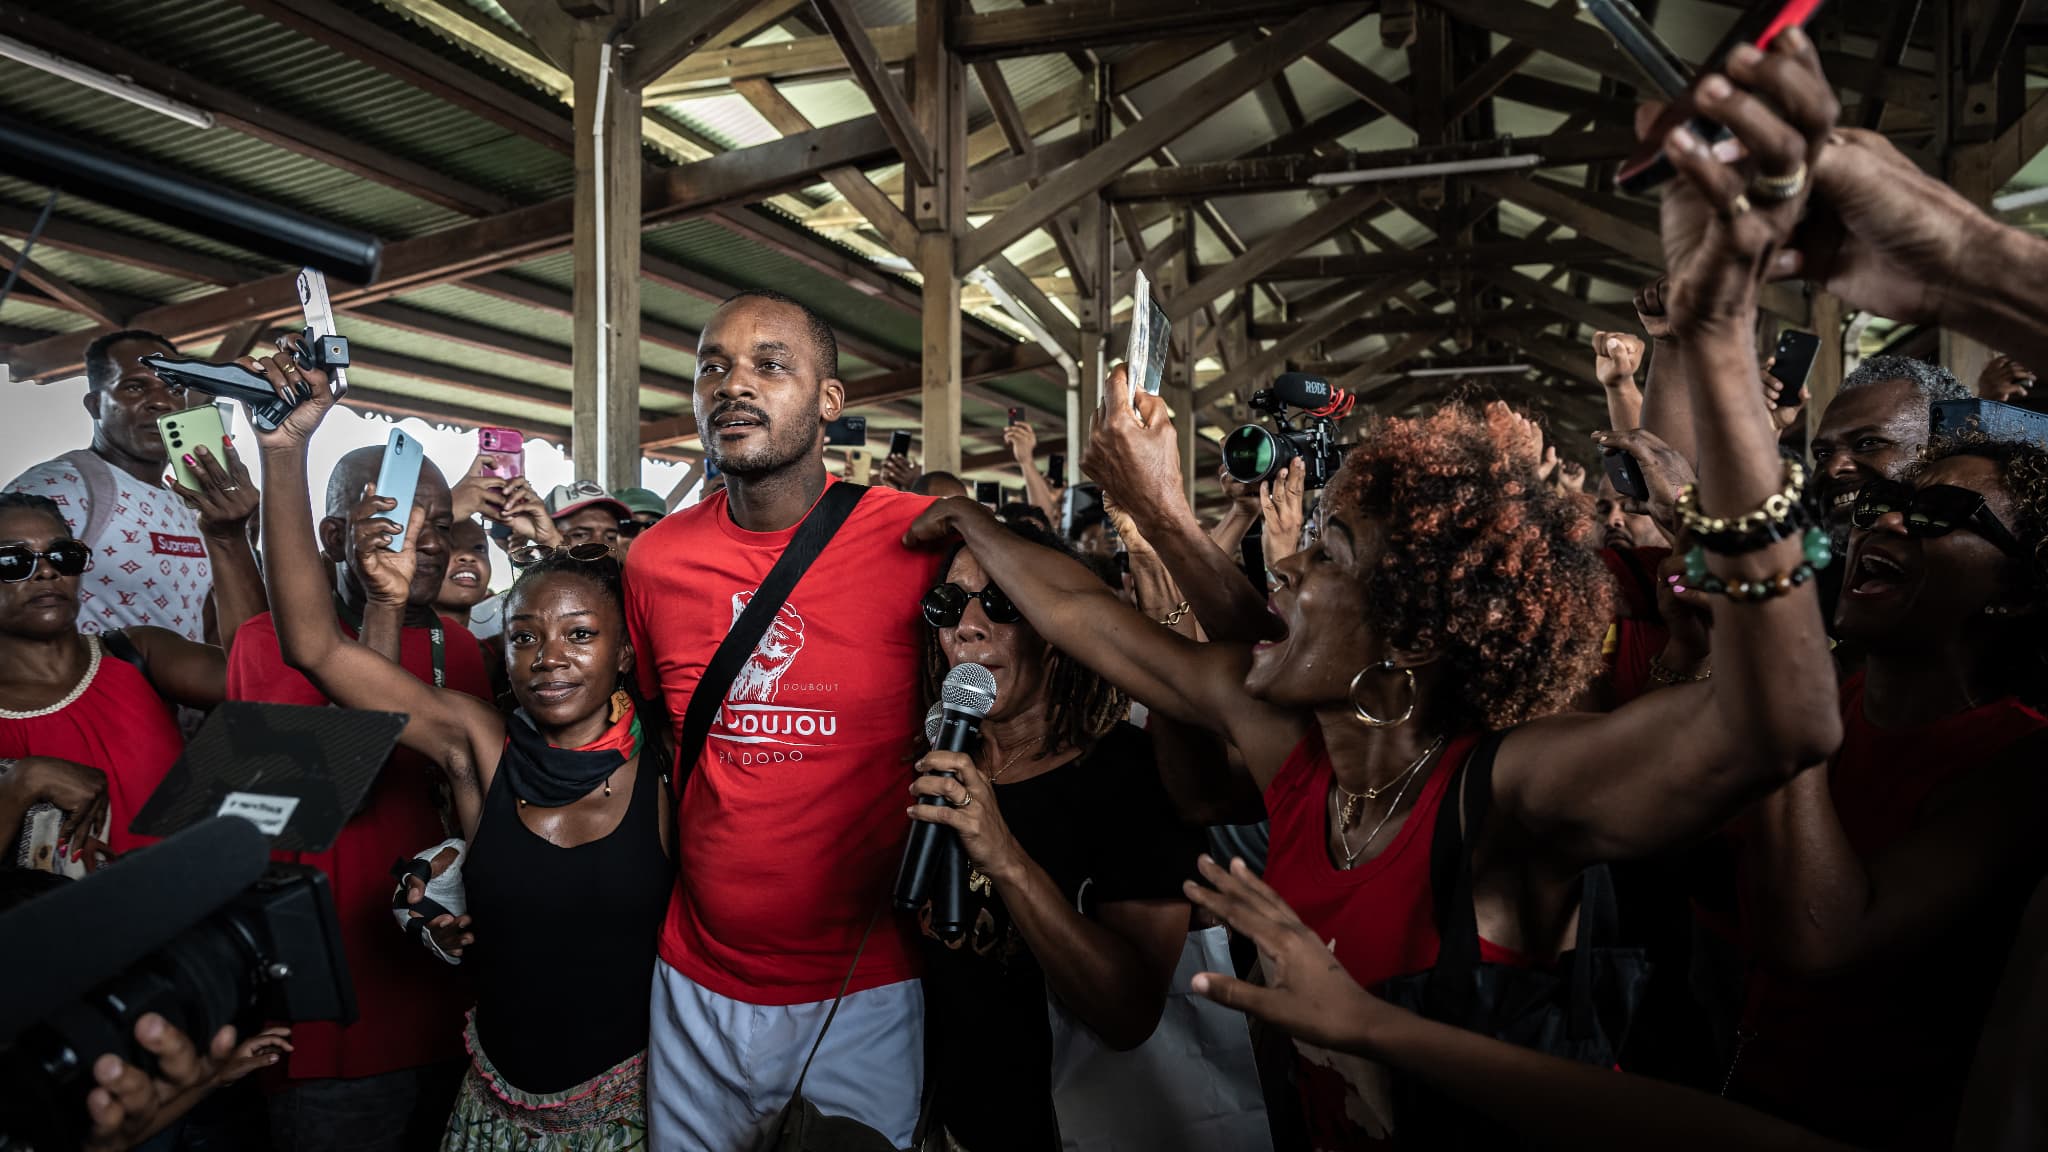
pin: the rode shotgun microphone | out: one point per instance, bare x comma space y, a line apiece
934, 868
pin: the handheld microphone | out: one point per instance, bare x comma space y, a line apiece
934, 867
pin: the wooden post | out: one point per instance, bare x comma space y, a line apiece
1972, 120
605, 392
1180, 366
939, 210
1098, 274
1825, 381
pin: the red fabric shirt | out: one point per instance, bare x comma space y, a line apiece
1377, 917
119, 726
1641, 635
409, 1005
791, 828
1878, 1054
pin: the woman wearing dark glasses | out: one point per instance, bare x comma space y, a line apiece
567, 870
1896, 874
1077, 864
90, 723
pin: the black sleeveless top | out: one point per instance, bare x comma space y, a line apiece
563, 962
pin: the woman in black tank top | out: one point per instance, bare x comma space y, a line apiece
561, 802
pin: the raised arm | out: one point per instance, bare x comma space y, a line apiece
1671, 766
226, 499
1199, 684
1667, 398
450, 728
1616, 357
1133, 456
1023, 444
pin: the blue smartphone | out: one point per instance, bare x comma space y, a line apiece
399, 479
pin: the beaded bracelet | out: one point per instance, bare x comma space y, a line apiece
1779, 517
1749, 591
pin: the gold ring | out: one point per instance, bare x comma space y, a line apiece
965, 800
1778, 189
1737, 207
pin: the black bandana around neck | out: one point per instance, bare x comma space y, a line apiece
549, 777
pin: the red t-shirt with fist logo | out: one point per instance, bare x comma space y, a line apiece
791, 827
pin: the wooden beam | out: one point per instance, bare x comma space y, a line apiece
1254, 372
871, 202
1395, 355
1078, 24
1388, 96
497, 242
239, 341
1287, 173
1206, 97
250, 117
938, 199
1595, 316
609, 211
551, 29
1026, 291
58, 288
1260, 257
2014, 148
353, 35
1575, 41
658, 41
1420, 262
882, 90
1484, 82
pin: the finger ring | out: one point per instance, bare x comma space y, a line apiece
1737, 207
232, 488
1778, 189
965, 800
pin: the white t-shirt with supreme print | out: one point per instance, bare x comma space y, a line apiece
149, 563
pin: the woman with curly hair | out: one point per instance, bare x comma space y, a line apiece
1897, 874
1078, 863
1452, 606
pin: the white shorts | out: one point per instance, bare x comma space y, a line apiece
718, 1070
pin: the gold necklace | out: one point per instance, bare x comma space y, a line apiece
1012, 759
1404, 779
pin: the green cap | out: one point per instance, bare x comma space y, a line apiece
641, 500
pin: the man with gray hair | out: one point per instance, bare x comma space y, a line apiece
1876, 426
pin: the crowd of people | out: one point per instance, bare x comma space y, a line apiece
1692, 804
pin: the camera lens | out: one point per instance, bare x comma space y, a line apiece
1252, 454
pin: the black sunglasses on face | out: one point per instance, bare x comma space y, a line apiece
629, 528
1935, 510
18, 561
945, 604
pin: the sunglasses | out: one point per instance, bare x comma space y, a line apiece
589, 553
18, 561
629, 528
945, 604
1935, 510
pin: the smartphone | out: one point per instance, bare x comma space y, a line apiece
1145, 359
847, 432
899, 442
1016, 415
1648, 168
506, 447
1992, 418
988, 492
193, 428
318, 312
398, 478
1057, 469
1624, 473
859, 468
1793, 363
1076, 502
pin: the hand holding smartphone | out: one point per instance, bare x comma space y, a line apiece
1145, 358
507, 449
398, 478
189, 429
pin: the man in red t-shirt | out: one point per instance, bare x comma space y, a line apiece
358, 1087
791, 827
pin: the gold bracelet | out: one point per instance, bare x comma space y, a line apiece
1777, 508
1177, 615
1660, 673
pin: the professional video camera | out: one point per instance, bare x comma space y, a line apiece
1252, 454
200, 929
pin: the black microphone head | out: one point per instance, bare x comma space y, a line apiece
933, 721
1301, 389
971, 689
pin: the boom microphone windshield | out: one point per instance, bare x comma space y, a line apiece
37, 154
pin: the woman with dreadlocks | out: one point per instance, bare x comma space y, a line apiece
569, 840
1077, 862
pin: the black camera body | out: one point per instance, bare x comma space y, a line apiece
232, 381
272, 951
1253, 454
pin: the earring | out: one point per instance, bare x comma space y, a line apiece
1998, 609
1365, 716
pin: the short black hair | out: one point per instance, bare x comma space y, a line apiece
1017, 510
922, 486
10, 501
100, 369
824, 345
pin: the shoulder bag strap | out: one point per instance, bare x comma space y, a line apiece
810, 539
836, 1000
100, 494
1448, 992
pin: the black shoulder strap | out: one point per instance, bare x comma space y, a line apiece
810, 539
117, 644
1448, 994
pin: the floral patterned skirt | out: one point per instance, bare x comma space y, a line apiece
606, 1113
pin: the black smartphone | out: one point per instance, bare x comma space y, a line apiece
988, 492
1016, 415
1792, 363
1057, 469
899, 442
847, 432
1624, 473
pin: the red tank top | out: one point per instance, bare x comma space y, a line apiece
120, 726
1377, 918
1878, 1055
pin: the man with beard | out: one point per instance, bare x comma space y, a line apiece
791, 824
387, 1080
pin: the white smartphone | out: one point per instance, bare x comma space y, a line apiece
1145, 359
398, 478
319, 315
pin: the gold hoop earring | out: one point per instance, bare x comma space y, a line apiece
1367, 718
